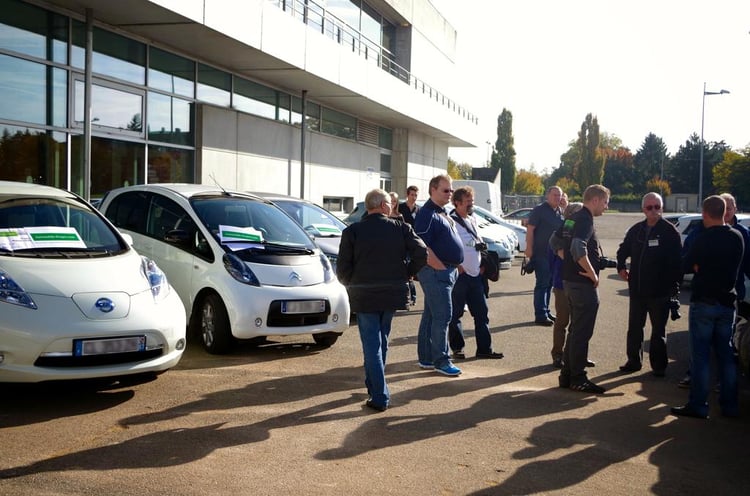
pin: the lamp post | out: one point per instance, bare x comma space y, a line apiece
703, 115
488, 153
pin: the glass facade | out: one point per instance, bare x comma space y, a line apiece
143, 104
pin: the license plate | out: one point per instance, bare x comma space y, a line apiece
86, 347
310, 306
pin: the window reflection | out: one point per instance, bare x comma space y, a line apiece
213, 85
170, 165
254, 98
23, 85
170, 119
171, 73
110, 108
27, 29
33, 156
114, 163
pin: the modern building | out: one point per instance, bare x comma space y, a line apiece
322, 99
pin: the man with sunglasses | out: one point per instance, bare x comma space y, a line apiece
444, 254
653, 247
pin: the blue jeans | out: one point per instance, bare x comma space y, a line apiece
374, 328
542, 288
469, 291
711, 325
412, 292
432, 340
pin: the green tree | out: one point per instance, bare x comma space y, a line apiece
458, 171
732, 175
528, 182
618, 171
504, 154
683, 168
649, 162
589, 169
568, 186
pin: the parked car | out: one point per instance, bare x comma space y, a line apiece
76, 300
520, 214
243, 268
325, 227
498, 238
356, 214
520, 231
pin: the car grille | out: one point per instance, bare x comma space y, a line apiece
97, 360
278, 319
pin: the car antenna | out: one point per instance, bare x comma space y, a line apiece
217, 184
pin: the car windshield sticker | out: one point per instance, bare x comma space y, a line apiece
23, 238
327, 229
247, 237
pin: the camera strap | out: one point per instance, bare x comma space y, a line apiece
468, 226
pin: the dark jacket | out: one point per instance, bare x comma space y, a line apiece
655, 263
373, 264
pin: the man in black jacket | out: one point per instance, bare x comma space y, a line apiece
653, 247
373, 266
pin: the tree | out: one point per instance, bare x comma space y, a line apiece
659, 185
649, 162
683, 168
568, 186
458, 171
504, 154
618, 171
529, 183
589, 168
732, 175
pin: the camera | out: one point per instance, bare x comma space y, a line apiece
480, 246
607, 263
527, 266
674, 308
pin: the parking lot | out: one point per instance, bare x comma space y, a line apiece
287, 417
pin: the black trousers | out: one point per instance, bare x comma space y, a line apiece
657, 309
583, 299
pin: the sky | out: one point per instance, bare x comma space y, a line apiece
637, 65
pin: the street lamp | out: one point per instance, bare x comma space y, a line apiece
703, 114
488, 152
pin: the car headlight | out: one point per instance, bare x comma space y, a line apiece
156, 278
11, 292
239, 270
329, 272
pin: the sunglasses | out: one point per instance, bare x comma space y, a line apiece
652, 207
447, 191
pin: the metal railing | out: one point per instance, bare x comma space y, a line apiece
316, 17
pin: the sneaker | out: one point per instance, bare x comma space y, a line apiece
587, 387
557, 363
448, 369
492, 355
459, 355
684, 382
426, 366
379, 408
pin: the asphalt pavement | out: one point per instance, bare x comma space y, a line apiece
288, 417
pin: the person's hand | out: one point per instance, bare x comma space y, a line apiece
594, 278
624, 274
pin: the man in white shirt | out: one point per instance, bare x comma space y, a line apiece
469, 287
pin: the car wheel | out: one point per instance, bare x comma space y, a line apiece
326, 339
213, 322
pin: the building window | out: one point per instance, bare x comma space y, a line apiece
254, 98
312, 110
338, 204
170, 119
114, 163
33, 156
112, 108
385, 163
32, 92
171, 73
114, 56
33, 31
214, 86
338, 124
169, 165
385, 138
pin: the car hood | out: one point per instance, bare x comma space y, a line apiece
67, 277
329, 244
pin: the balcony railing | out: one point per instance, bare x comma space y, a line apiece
317, 18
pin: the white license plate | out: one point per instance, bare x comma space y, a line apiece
85, 347
309, 306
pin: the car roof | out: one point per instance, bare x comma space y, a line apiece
30, 189
187, 190
278, 196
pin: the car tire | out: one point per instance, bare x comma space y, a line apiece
326, 339
212, 325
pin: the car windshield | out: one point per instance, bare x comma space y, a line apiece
54, 226
236, 219
314, 219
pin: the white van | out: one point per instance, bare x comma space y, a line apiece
486, 194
